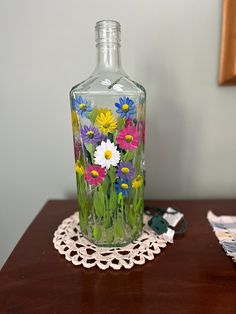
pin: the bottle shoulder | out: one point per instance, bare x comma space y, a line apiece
113, 83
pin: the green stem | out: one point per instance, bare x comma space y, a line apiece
122, 209
135, 200
91, 151
78, 182
126, 155
109, 191
106, 210
120, 198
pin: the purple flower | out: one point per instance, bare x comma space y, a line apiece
90, 134
125, 170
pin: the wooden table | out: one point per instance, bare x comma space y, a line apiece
191, 276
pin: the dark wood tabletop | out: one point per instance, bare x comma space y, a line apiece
193, 275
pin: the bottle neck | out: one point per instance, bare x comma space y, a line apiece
108, 58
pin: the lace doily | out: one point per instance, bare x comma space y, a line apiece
69, 241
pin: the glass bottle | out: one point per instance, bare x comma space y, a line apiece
108, 120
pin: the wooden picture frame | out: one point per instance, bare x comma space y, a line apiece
227, 71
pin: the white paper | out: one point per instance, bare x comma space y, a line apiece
172, 219
169, 235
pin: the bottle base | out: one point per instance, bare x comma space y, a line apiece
114, 244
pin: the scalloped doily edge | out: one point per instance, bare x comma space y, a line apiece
138, 252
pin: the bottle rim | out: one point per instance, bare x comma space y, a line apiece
107, 31
108, 24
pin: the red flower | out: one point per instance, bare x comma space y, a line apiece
94, 174
128, 138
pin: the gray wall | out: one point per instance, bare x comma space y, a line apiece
170, 46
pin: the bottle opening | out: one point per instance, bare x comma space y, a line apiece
107, 31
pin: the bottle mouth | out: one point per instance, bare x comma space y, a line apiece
107, 31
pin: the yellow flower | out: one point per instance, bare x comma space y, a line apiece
137, 182
75, 122
103, 110
106, 122
79, 168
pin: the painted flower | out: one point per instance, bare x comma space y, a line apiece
141, 130
128, 138
128, 122
106, 155
76, 147
103, 110
125, 107
75, 122
79, 168
125, 170
123, 187
90, 134
137, 182
82, 106
94, 174
106, 122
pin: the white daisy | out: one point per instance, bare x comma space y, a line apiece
106, 155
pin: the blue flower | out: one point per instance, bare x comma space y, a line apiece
82, 106
126, 107
123, 187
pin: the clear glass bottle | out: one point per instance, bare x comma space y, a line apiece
108, 120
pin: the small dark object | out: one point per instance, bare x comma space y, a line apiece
158, 223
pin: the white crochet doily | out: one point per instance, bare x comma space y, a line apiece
69, 241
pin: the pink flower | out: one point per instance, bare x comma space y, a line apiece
94, 174
128, 122
141, 128
128, 138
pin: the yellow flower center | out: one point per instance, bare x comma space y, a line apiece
125, 170
83, 107
94, 174
124, 186
108, 154
129, 138
106, 125
90, 134
125, 108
